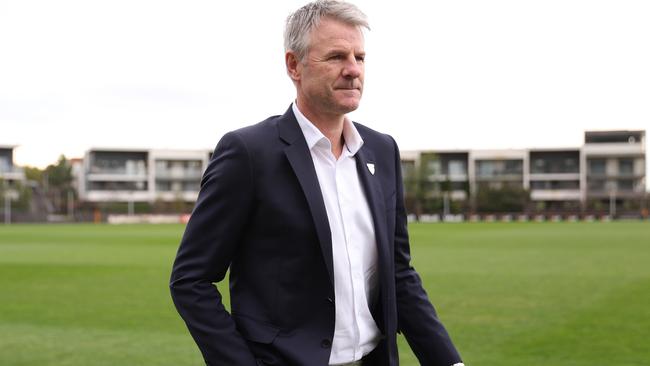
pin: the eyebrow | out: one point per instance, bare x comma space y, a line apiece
341, 50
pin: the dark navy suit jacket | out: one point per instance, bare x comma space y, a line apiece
260, 212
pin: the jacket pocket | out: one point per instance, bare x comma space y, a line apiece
255, 330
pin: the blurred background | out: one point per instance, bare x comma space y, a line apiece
115, 107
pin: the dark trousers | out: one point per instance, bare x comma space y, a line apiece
377, 357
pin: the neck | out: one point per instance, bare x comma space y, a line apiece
330, 125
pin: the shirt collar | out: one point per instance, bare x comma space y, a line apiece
313, 136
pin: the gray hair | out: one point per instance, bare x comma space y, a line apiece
300, 24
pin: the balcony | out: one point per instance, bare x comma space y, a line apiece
554, 176
179, 174
178, 186
130, 174
458, 177
10, 172
117, 186
555, 195
491, 170
614, 149
614, 175
118, 196
599, 193
501, 176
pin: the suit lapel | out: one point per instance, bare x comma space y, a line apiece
300, 160
375, 197
368, 171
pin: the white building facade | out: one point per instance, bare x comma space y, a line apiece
609, 169
10, 174
138, 175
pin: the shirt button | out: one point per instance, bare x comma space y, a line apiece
326, 343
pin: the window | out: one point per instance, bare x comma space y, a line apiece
433, 167
596, 185
4, 164
117, 186
408, 169
597, 166
626, 185
539, 165
494, 168
459, 186
554, 184
163, 186
570, 165
457, 167
540, 184
625, 166
192, 186
514, 167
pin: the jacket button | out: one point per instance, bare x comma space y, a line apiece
326, 343
330, 301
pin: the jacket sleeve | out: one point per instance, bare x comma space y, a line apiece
206, 249
416, 316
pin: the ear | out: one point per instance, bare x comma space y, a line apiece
293, 65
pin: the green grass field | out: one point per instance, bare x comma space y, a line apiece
510, 293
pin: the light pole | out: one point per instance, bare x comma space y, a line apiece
131, 207
612, 203
445, 206
70, 205
7, 200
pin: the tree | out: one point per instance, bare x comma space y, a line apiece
58, 183
508, 198
18, 195
418, 186
426, 193
33, 173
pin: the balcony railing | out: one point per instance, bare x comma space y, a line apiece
12, 173
615, 174
11, 169
571, 170
179, 174
500, 176
117, 171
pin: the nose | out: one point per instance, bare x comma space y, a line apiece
352, 68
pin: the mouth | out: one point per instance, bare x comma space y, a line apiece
358, 89
348, 86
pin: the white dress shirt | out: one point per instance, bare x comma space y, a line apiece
353, 241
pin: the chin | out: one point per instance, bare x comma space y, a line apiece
347, 108
349, 105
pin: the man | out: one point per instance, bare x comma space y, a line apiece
306, 209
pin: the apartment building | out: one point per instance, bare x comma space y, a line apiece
614, 167
607, 171
10, 174
497, 169
177, 174
555, 178
140, 175
447, 171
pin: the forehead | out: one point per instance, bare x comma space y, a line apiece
334, 33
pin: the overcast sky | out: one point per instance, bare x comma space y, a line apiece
439, 74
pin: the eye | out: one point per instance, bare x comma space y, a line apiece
361, 58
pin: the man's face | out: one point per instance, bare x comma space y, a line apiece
330, 77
